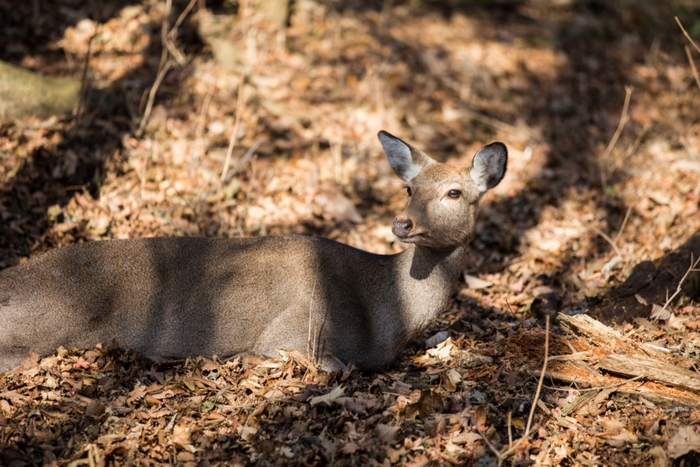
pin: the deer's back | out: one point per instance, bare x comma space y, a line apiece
171, 297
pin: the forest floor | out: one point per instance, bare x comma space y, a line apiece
598, 104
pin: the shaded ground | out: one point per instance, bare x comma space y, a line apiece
547, 79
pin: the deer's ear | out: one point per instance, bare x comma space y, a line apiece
406, 161
489, 166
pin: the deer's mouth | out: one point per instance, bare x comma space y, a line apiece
413, 237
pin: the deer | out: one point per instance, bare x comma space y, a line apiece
179, 297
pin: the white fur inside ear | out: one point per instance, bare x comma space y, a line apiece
399, 156
479, 174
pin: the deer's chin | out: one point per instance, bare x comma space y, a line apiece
416, 239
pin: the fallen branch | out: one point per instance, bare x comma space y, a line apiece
651, 370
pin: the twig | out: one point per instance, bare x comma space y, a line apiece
203, 112
607, 239
692, 66
503, 455
623, 121
685, 33
248, 154
634, 145
544, 369
236, 125
82, 103
622, 227
510, 429
168, 48
173, 31
152, 94
678, 289
610, 386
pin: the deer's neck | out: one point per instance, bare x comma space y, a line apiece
426, 281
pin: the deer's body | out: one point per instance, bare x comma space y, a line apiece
179, 297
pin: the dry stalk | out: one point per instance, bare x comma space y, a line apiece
692, 66
248, 154
685, 33
204, 111
608, 239
169, 49
692, 268
510, 429
152, 94
624, 118
622, 227
236, 126
503, 455
544, 370
635, 145
83, 79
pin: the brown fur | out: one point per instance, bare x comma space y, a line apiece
179, 297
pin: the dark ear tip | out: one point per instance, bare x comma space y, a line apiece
497, 146
385, 134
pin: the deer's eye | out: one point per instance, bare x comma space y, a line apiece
454, 194
409, 191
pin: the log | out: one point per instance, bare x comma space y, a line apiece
651, 370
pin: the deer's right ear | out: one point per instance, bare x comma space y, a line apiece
406, 161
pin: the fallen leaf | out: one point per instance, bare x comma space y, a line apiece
387, 433
474, 282
659, 313
686, 439
329, 398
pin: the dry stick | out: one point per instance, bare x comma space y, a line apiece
623, 120
622, 227
503, 455
510, 429
152, 94
635, 145
169, 37
83, 78
203, 112
163, 67
181, 18
248, 154
544, 370
610, 386
607, 239
685, 33
236, 125
678, 289
692, 66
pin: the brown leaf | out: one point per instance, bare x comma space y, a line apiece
94, 409
428, 403
435, 426
686, 439
387, 433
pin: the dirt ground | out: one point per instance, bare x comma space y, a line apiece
599, 105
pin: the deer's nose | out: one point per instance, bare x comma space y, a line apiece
402, 227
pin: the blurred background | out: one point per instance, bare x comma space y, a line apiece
125, 119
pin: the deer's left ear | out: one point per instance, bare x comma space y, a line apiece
406, 160
489, 166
